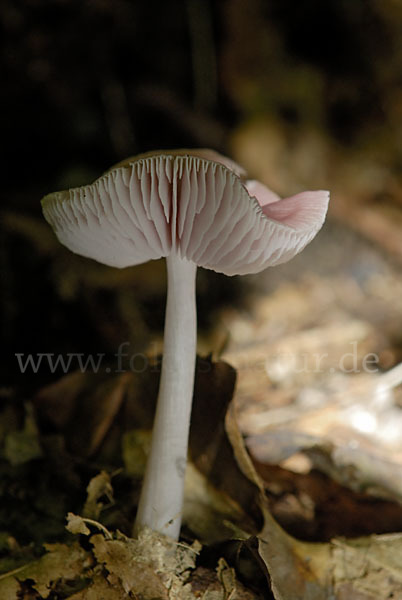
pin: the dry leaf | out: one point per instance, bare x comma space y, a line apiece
210, 514
59, 564
152, 566
99, 486
76, 525
364, 569
99, 589
369, 568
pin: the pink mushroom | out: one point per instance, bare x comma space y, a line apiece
196, 208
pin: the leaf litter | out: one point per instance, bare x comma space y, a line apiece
303, 432
153, 566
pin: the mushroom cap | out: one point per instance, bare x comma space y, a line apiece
195, 203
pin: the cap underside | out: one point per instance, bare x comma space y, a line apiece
164, 203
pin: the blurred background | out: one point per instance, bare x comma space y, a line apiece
305, 95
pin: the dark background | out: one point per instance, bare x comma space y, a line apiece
85, 84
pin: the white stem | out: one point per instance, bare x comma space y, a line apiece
161, 500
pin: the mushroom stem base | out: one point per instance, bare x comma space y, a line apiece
161, 500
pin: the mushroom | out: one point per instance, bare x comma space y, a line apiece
196, 208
